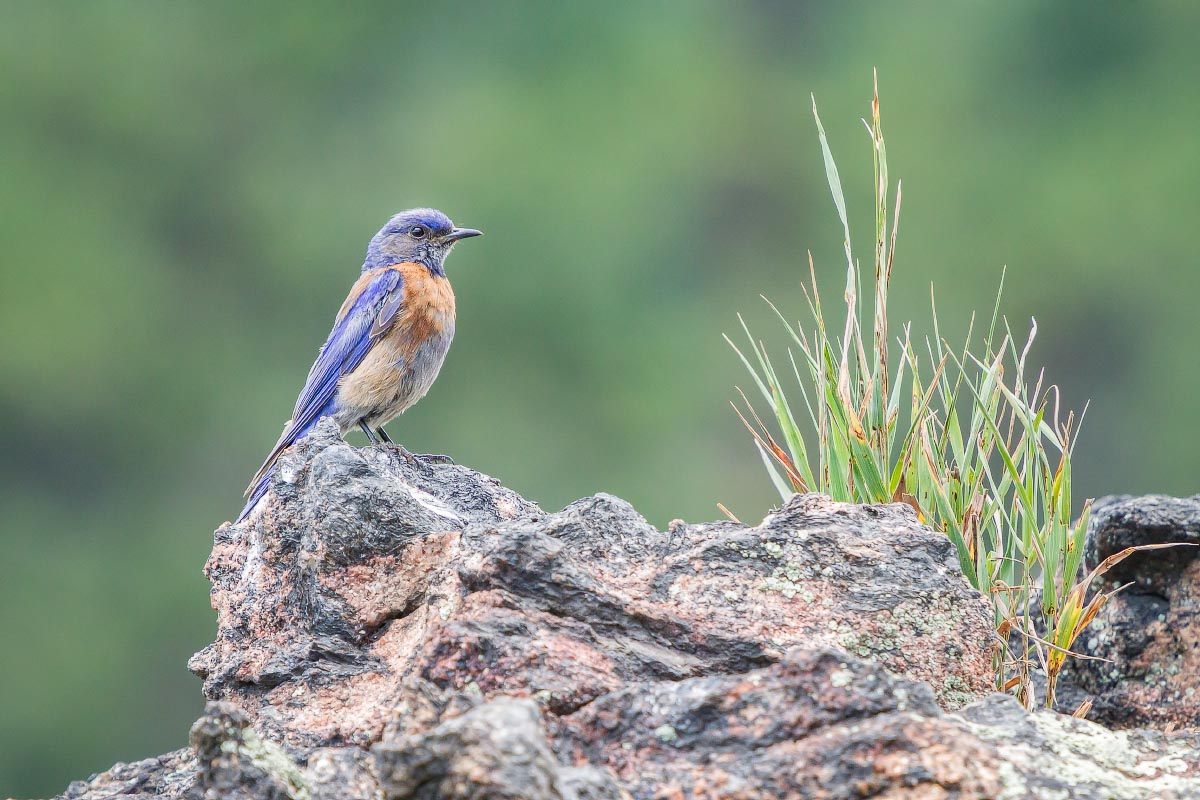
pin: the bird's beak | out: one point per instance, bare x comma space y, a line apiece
461, 233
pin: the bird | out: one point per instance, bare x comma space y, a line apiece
388, 342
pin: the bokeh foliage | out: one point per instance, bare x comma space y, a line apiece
186, 191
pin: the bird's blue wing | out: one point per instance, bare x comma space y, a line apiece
367, 316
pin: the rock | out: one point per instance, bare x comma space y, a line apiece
589, 783
824, 725
341, 773
366, 579
1149, 633
236, 764
1046, 754
726, 734
171, 775
815, 724
497, 750
410, 630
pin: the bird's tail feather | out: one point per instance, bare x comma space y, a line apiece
256, 493
262, 479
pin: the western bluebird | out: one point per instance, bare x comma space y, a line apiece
388, 341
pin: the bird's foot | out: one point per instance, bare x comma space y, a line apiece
403, 452
416, 459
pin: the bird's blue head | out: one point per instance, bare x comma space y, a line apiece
423, 235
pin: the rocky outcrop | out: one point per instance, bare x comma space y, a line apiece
390, 627
816, 724
1145, 643
369, 583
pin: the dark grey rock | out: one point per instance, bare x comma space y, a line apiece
236, 764
170, 775
494, 752
341, 773
1148, 634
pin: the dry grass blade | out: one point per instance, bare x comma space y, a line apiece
901, 495
1116, 558
1052, 648
1084, 708
721, 507
1078, 614
763, 436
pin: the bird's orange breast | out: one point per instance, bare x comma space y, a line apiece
428, 308
408, 354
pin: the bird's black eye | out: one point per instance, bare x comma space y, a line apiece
418, 231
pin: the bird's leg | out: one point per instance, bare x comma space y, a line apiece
380, 435
412, 458
367, 430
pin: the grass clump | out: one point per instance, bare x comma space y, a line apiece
969, 436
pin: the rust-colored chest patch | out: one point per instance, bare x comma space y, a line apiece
404, 358
428, 308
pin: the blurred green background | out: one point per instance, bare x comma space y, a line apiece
186, 191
